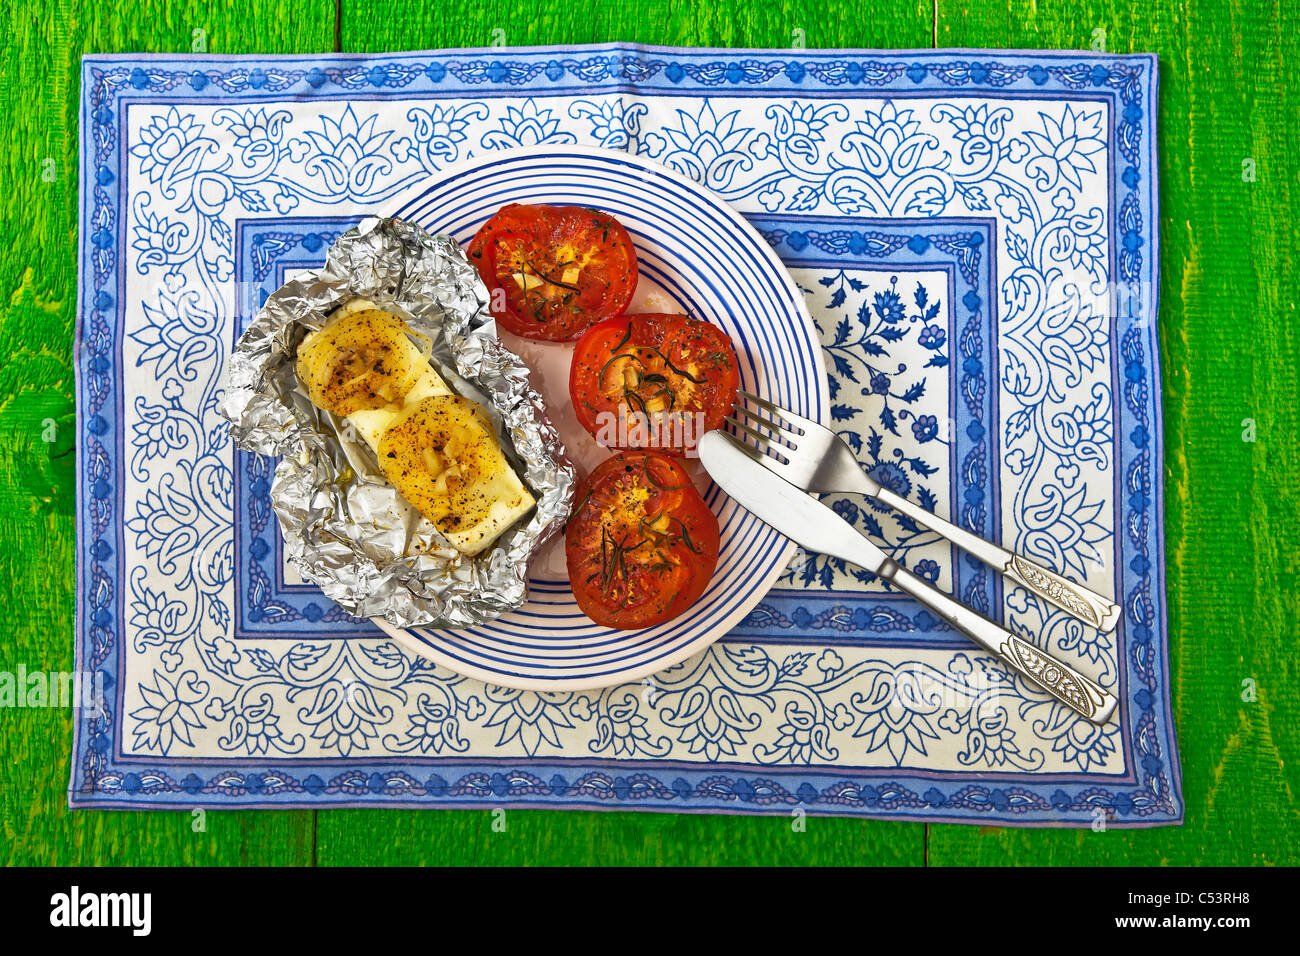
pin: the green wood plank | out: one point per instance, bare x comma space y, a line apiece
353, 837
377, 25
1229, 346
570, 838
38, 294
1229, 350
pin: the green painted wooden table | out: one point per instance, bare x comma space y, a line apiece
1231, 365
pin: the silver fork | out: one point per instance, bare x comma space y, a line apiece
736, 467
816, 459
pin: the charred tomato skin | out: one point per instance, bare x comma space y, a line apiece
553, 271
650, 363
641, 544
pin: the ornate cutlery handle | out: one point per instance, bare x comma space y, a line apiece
1086, 605
1060, 680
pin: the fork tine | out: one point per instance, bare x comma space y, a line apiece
761, 402
763, 440
779, 432
769, 451
803, 424
749, 450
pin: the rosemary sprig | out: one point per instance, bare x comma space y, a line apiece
542, 275
632, 398
686, 537
657, 483
613, 558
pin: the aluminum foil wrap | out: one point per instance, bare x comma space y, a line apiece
345, 527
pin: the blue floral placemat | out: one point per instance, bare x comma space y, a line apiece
975, 234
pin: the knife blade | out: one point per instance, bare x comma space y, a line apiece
735, 467
790, 510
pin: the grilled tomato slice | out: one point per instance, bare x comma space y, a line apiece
641, 544
553, 271
653, 381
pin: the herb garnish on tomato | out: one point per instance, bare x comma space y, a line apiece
553, 271
653, 381
641, 544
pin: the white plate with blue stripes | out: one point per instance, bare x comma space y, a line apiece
696, 255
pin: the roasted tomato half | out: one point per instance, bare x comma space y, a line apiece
641, 544
653, 381
553, 271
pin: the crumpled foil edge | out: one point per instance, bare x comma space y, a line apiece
344, 527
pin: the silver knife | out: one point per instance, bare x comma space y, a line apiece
808, 522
